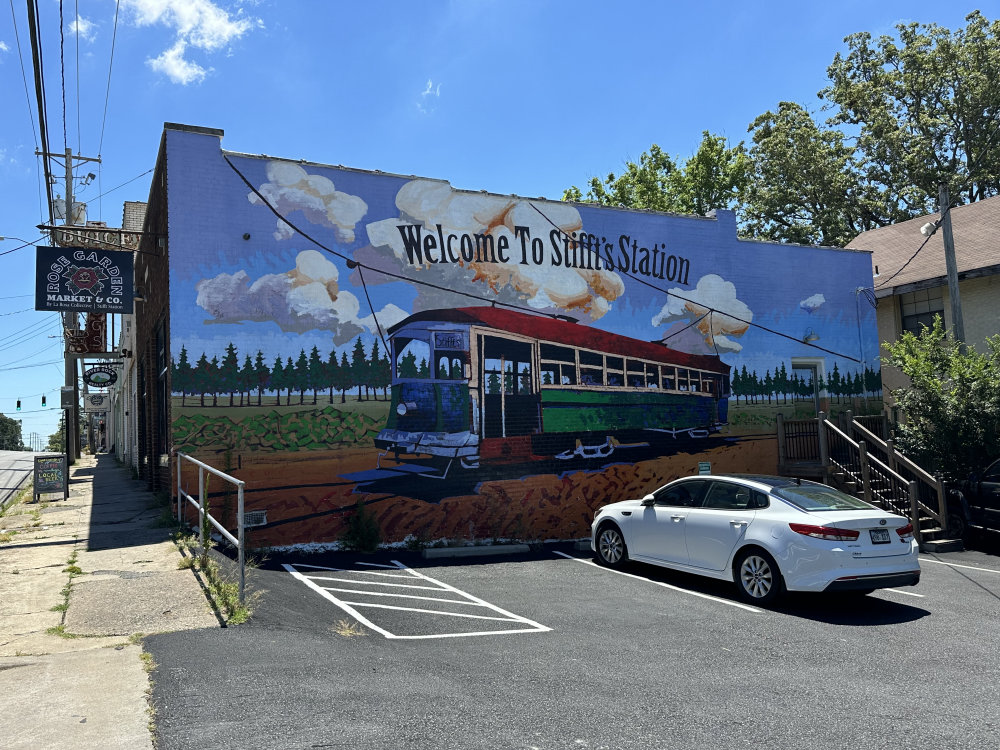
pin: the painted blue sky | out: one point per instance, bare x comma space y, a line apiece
507, 96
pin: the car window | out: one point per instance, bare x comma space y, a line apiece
727, 496
992, 473
759, 500
819, 497
686, 494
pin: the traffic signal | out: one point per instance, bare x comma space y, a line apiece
19, 404
43, 399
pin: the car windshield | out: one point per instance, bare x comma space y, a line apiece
817, 497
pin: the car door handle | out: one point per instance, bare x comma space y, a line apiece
677, 519
734, 522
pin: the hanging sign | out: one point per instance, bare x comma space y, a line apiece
95, 402
100, 376
83, 280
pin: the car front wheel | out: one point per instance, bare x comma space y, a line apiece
611, 549
757, 577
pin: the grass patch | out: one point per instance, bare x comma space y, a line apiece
348, 629
223, 590
6, 536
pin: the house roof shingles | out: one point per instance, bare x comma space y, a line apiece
976, 228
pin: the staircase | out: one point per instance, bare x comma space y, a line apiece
855, 460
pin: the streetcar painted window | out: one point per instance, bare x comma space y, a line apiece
451, 365
549, 373
591, 368
652, 376
636, 374
557, 353
412, 358
616, 371
682, 380
669, 375
567, 374
513, 377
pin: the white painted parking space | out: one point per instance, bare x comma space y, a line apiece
957, 565
402, 599
739, 605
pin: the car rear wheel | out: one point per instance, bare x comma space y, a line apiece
611, 549
757, 577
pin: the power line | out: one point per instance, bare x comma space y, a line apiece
36, 57
107, 91
62, 77
24, 76
354, 264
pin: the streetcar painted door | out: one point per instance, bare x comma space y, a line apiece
510, 394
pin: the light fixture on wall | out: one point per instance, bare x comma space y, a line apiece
810, 336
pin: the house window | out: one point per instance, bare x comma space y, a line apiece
917, 309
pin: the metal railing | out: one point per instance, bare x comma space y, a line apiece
199, 503
877, 482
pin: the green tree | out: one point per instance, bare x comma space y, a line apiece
277, 381
951, 404
182, 375
344, 379
247, 379
713, 177
301, 376
203, 376
806, 186
925, 106
332, 371
359, 366
316, 374
10, 434
261, 375
229, 373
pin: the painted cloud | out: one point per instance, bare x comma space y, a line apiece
290, 188
303, 299
812, 304
429, 203
714, 302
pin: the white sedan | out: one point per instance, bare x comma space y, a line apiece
766, 534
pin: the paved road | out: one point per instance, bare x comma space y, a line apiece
551, 651
15, 468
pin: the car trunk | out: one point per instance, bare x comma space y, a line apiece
877, 535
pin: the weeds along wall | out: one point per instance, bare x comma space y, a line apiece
480, 366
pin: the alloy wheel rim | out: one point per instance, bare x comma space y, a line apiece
611, 546
756, 576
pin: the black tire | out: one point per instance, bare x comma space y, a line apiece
757, 577
611, 548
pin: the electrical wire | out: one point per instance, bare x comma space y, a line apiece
353, 264
38, 70
62, 77
76, 24
107, 91
24, 75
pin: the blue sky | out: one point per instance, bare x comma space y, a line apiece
504, 96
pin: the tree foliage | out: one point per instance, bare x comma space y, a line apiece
908, 112
952, 403
925, 107
713, 177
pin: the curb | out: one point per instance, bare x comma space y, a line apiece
486, 550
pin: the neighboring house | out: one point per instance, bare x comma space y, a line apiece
912, 289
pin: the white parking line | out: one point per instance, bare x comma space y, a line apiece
351, 607
956, 565
905, 593
747, 607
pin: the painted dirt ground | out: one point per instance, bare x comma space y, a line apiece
551, 506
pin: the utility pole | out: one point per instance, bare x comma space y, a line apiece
70, 318
957, 324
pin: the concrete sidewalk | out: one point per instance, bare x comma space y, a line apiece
71, 672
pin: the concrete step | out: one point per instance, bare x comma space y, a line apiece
942, 545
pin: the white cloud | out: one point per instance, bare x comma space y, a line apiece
305, 298
4, 47
291, 188
86, 29
426, 102
812, 304
713, 301
429, 203
199, 24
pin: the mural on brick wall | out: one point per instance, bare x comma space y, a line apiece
481, 366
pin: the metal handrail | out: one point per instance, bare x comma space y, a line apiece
237, 541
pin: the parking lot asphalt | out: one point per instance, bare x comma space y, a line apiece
549, 650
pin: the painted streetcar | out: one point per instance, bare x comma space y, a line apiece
476, 384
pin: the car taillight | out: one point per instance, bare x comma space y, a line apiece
905, 532
825, 532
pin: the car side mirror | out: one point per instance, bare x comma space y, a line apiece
648, 500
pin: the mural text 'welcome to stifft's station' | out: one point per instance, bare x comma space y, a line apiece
566, 250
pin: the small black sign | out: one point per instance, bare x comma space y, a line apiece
51, 475
69, 279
